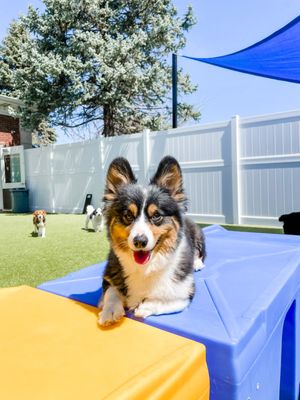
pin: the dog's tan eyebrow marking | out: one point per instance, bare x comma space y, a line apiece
133, 209
152, 208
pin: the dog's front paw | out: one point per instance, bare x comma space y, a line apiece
110, 315
144, 310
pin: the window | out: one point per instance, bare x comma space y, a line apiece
12, 167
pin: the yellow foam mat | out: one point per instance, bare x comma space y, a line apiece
52, 348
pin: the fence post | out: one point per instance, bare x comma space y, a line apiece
146, 150
235, 169
50, 151
101, 159
101, 149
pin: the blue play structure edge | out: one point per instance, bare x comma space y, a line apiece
245, 312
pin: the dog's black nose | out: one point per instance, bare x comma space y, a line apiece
140, 241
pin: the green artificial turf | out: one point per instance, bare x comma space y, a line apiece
29, 260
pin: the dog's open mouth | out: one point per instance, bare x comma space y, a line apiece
141, 257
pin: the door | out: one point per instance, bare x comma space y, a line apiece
12, 168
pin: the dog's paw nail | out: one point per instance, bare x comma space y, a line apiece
102, 322
109, 317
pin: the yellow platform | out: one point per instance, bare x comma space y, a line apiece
52, 348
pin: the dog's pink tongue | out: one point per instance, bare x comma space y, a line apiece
141, 257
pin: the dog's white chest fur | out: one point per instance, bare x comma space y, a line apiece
154, 281
42, 231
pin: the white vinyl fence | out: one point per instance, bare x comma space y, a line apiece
244, 171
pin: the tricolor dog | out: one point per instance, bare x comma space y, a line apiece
155, 248
39, 222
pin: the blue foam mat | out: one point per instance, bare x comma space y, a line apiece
246, 288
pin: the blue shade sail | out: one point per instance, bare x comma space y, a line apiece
275, 57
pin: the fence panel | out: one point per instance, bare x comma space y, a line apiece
127, 146
68, 173
204, 156
270, 167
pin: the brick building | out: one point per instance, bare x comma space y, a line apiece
9, 131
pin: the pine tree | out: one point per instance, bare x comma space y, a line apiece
11, 61
81, 61
11, 58
43, 135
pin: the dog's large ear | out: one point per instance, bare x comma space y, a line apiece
282, 218
169, 176
119, 174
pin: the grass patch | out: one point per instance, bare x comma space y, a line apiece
31, 260
67, 247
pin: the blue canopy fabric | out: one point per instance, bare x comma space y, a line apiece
275, 57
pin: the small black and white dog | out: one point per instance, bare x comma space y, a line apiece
94, 215
291, 223
154, 247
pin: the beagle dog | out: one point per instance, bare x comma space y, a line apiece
39, 222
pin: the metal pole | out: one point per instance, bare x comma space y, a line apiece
174, 90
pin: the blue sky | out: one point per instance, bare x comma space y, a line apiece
223, 27
227, 26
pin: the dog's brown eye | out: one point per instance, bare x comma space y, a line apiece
156, 218
128, 217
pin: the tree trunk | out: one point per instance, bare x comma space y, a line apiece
108, 119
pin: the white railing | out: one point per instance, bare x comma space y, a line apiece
243, 171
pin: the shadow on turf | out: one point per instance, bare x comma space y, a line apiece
88, 230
